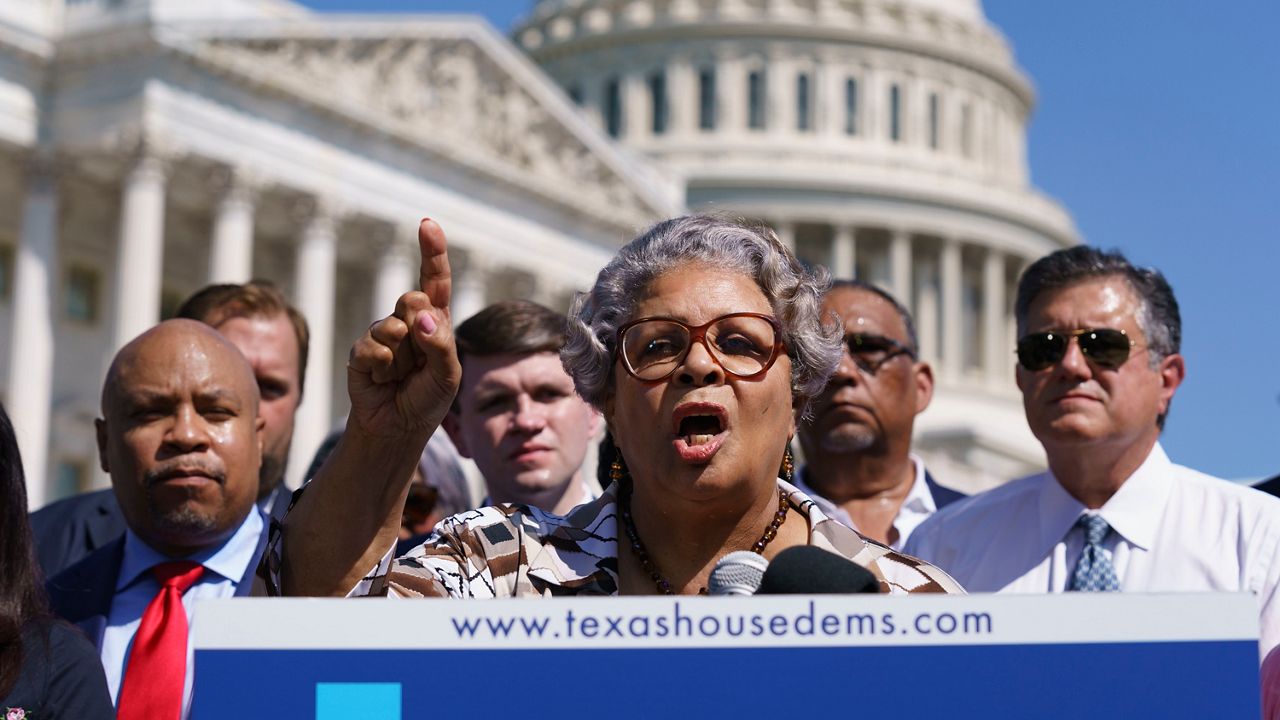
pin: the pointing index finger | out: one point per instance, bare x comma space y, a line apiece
434, 277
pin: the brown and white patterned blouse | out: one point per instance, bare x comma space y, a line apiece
519, 551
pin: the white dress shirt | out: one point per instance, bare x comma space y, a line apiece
1176, 530
916, 507
224, 566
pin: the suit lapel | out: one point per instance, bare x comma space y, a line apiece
244, 588
942, 496
82, 593
105, 523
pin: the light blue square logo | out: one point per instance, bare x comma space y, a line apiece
357, 701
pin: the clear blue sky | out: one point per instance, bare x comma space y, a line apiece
1158, 127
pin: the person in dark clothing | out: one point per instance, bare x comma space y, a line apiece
1270, 487
47, 668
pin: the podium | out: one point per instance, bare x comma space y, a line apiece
976, 656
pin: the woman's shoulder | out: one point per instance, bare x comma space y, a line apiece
897, 572
488, 552
62, 675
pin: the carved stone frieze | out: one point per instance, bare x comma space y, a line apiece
449, 95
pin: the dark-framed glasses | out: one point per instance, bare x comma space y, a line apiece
744, 345
1107, 348
870, 352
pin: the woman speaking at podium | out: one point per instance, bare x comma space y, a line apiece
700, 343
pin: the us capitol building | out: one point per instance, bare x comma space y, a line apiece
149, 147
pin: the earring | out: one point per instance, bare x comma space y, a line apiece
788, 465
616, 469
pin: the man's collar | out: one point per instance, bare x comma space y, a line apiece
1133, 511
919, 498
228, 558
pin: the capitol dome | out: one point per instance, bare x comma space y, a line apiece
885, 139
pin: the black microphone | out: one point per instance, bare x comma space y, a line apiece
807, 570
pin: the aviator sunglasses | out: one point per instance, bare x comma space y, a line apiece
1107, 348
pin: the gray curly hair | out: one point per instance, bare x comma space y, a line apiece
794, 293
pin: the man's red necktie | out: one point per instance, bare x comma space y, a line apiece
157, 669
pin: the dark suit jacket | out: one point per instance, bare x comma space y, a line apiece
82, 593
1271, 487
942, 496
70, 529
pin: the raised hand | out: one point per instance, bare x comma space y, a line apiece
403, 372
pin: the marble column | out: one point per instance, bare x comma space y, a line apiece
470, 291
682, 97
231, 251
731, 87
780, 93
844, 253
786, 231
140, 256
1010, 319
952, 309
314, 282
994, 354
394, 276
551, 292
829, 80
592, 88
31, 343
637, 123
926, 308
900, 265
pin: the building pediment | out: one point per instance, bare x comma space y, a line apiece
454, 88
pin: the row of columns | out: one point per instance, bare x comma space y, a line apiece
935, 286
970, 124
137, 287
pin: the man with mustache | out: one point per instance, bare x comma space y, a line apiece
182, 439
273, 336
857, 445
1098, 365
516, 413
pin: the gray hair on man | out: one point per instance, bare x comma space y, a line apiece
794, 294
1158, 316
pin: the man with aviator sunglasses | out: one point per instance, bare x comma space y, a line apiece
857, 444
1098, 366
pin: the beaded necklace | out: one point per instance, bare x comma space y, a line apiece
637, 547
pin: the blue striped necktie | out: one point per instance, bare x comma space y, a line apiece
1094, 572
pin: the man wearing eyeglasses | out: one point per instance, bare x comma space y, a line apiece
857, 444
1098, 366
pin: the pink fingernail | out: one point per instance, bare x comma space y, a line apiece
427, 323
423, 220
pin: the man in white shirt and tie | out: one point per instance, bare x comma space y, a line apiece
1098, 366
182, 440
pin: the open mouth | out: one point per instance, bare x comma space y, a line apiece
700, 429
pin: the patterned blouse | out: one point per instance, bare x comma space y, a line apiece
520, 551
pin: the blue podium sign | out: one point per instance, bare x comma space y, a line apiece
1047, 656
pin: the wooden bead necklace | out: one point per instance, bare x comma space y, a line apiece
637, 547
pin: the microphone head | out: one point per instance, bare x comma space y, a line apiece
738, 573
807, 570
